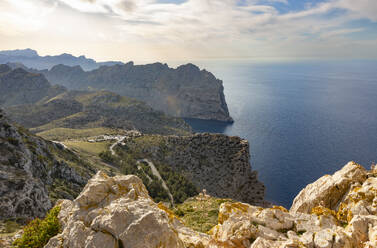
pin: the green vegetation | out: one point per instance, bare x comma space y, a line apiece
127, 161
94, 148
154, 186
91, 111
62, 134
9, 226
38, 232
200, 213
106, 156
180, 187
13, 141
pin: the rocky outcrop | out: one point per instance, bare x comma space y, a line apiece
329, 190
218, 163
118, 212
34, 173
31, 59
338, 211
185, 91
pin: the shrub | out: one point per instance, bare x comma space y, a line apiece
13, 141
107, 156
38, 232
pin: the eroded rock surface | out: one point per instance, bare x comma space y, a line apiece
337, 211
31, 173
118, 212
329, 190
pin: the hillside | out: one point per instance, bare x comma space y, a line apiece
217, 163
185, 91
31, 59
21, 87
30, 100
34, 173
81, 110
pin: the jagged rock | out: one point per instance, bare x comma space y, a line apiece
328, 190
109, 210
185, 91
346, 220
31, 176
118, 212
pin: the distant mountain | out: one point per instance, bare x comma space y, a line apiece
33, 102
185, 91
83, 109
31, 59
19, 87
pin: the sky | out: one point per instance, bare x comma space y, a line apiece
150, 30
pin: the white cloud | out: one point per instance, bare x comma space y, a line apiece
195, 28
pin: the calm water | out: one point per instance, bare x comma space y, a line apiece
302, 119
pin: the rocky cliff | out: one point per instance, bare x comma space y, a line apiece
34, 173
218, 163
185, 91
117, 212
30, 100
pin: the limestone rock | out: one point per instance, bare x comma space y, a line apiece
30, 173
114, 212
347, 219
328, 190
118, 212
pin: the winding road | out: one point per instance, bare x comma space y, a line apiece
157, 174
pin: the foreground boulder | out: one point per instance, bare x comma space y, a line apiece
329, 190
118, 212
338, 211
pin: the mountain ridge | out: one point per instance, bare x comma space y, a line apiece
185, 91
30, 100
32, 59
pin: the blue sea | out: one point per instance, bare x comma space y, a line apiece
303, 119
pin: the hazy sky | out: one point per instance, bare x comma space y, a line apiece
191, 29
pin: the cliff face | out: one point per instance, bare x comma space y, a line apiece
218, 163
117, 212
30, 100
185, 91
34, 173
